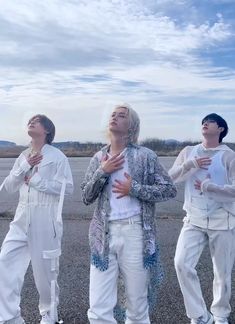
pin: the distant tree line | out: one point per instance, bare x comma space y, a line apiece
171, 147
166, 147
161, 147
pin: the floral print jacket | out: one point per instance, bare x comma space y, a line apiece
150, 184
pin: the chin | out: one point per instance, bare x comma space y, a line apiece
30, 132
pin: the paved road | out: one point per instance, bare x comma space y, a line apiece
74, 265
73, 206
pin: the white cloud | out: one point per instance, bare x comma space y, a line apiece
53, 29
73, 60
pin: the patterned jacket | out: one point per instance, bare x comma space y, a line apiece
150, 184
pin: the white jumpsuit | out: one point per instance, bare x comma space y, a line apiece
35, 228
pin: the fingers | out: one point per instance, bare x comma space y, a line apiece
118, 181
117, 156
26, 180
104, 158
122, 188
127, 175
197, 184
112, 164
120, 196
34, 160
203, 162
117, 187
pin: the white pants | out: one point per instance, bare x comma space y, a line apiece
126, 256
191, 243
31, 233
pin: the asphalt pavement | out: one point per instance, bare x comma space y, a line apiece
74, 262
74, 276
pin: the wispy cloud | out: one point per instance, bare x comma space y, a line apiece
76, 58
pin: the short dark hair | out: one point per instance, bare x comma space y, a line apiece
220, 122
48, 126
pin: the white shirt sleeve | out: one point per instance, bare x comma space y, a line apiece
54, 185
222, 193
183, 167
15, 179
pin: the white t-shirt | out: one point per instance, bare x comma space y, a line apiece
123, 207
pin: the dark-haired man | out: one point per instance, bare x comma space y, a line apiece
208, 170
41, 174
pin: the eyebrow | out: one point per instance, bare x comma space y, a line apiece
34, 120
119, 113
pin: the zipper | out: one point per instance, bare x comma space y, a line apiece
28, 213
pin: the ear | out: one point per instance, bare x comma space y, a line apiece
221, 129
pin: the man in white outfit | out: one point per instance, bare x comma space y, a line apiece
209, 172
41, 174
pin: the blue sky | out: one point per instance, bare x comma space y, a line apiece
171, 60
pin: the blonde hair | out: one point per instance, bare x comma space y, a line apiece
134, 123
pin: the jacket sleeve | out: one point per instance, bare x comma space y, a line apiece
221, 193
54, 186
94, 181
159, 187
183, 167
15, 179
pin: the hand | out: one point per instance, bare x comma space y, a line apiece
198, 183
109, 165
203, 162
34, 159
122, 187
26, 180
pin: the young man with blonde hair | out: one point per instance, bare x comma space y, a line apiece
127, 180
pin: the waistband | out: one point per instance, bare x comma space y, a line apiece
130, 220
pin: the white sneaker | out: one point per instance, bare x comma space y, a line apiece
203, 320
221, 320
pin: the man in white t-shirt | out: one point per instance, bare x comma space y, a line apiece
127, 180
208, 170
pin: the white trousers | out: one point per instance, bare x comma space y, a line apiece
126, 256
191, 243
32, 232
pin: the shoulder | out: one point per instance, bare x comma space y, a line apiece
96, 158
142, 150
229, 155
188, 149
54, 153
98, 155
24, 154
228, 150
